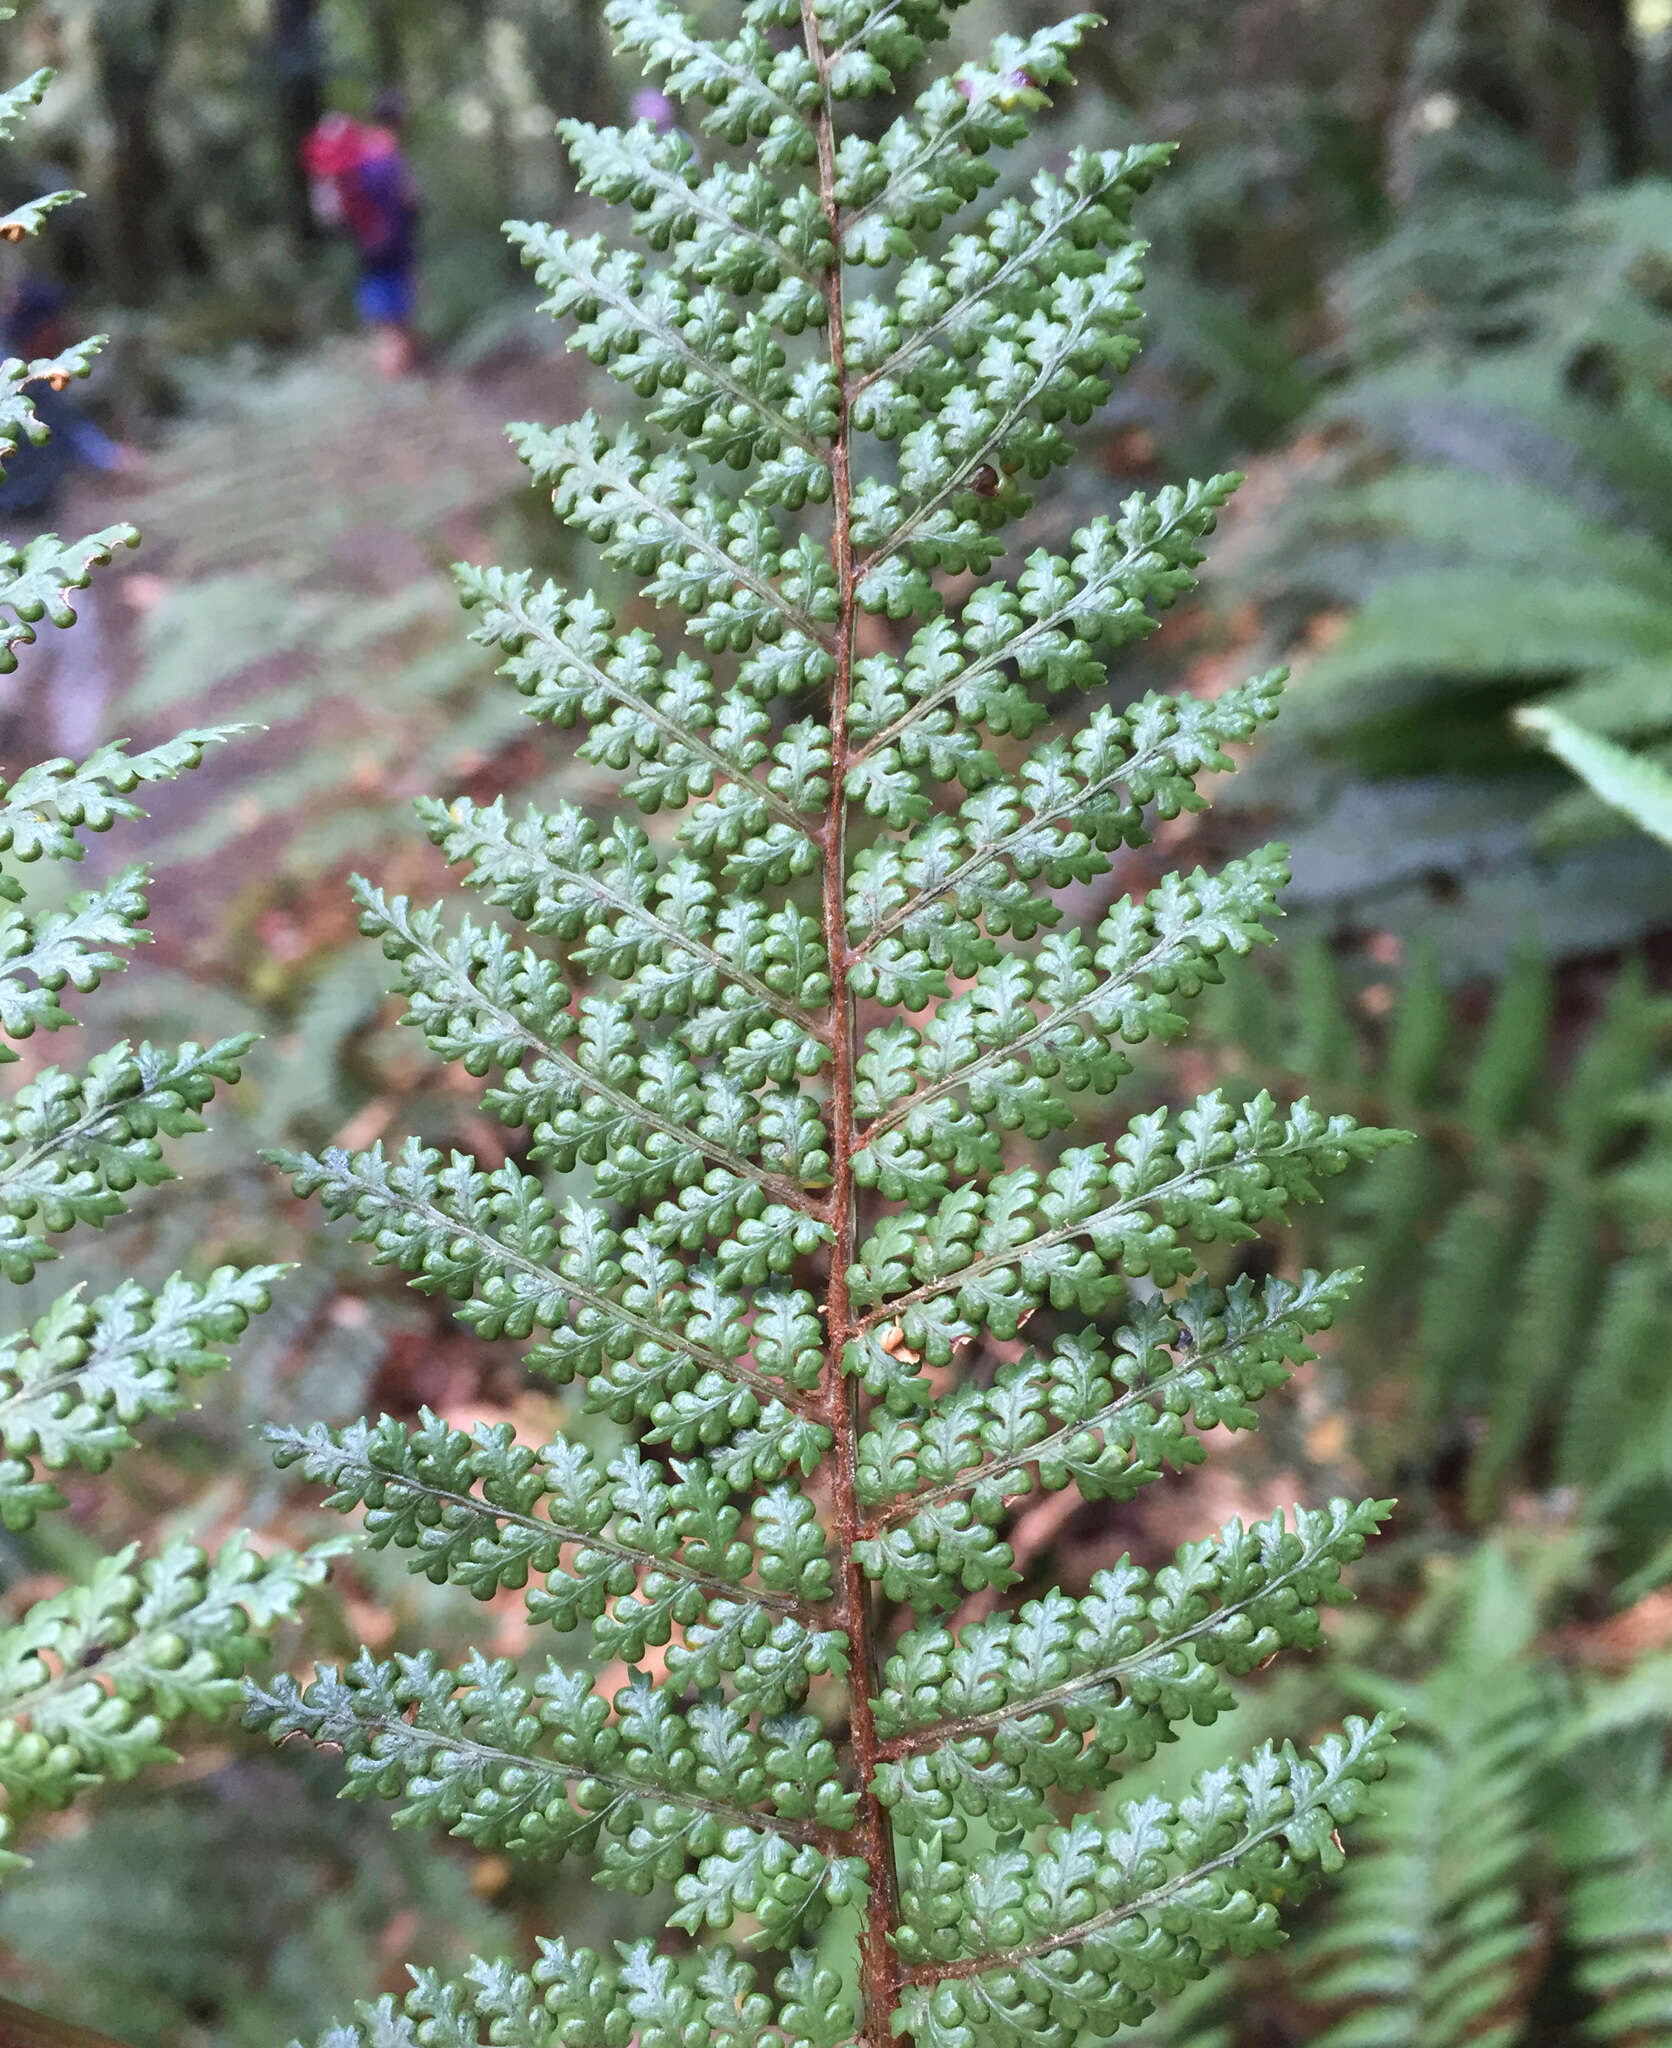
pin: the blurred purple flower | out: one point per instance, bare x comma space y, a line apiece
652, 105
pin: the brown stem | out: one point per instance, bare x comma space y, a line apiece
879, 1965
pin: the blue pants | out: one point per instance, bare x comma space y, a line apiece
388, 297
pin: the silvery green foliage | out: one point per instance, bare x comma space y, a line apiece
91, 1677
37, 579
842, 1284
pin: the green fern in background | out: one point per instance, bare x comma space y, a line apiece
1638, 788
1515, 1890
92, 1676
1610, 1821
815, 1038
1495, 537
1427, 1941
238, 1905
1521, 1280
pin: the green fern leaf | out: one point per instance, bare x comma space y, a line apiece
805, 1047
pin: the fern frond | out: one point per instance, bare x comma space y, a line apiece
804, 1048
1423, 1939
1617, 1853
950, 1473
1522, 1223
645, 1555
1637, 786
90, 1677
72, 1145
1167, 1883
36, 581
45, 809
1080, 1683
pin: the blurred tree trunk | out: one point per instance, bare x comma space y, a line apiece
502, 154
388, 50
296, 66
569, 61
131, 41
1605, 28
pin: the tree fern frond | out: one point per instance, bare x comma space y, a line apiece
1059, 1421
37, 578
645, 1556
806, 1055
995, 1047
1134, 1658
1152, 1895
581, 1992
1116, 768
557, 874
564, 656
477, 1001
45, 808
19, 421
72, 1145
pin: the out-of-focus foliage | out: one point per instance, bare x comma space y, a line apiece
1519, 1276
318, 607
1639, 788
1518, 1887
1492, 534
179, 119
243, 1902
94, 1672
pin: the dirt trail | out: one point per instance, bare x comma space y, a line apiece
321, 467
297, 531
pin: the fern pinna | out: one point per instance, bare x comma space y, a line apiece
816, 1042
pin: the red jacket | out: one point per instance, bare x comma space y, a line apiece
361, 178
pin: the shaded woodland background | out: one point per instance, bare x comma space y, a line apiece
1413, 272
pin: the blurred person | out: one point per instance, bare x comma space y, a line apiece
62, 680
363, 184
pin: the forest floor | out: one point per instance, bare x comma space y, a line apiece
297, 534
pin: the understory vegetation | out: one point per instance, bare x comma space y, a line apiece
633, 1444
